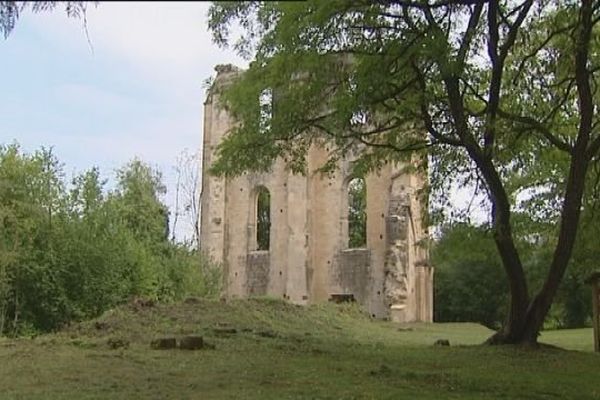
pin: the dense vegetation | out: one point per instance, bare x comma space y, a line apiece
470, 284
70, 250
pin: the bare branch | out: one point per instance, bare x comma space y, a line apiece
498, 56
469, 34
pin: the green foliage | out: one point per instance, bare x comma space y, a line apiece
375, 77
10, 11
69, 252
574, 297
470, 284
496, 96
469, 280
137, 201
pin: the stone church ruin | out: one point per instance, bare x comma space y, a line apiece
314, 238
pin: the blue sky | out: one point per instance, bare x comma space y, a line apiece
137, 91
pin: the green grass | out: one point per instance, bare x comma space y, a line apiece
281, 351
571, 339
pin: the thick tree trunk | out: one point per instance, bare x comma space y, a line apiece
525, 318
568, 231
524, 327
526, 330
515, 322
501, 213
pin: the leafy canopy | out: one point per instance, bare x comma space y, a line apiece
355, 75
496, 94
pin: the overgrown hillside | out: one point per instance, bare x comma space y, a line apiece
268, 349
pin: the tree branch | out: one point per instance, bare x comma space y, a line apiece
469, 34
497, 57
538, 127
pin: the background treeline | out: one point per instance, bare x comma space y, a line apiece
470, 284
71, 249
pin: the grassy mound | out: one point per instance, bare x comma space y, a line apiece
268, 349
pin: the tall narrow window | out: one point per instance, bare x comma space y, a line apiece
263, 218
357, 213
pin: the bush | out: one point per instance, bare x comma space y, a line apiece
470, 284
469, 280
69, 252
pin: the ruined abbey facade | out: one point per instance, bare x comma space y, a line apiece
295, 237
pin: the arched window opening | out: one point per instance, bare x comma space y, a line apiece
263, 219
357, 213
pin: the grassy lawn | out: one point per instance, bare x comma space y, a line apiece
281, 351
571, 339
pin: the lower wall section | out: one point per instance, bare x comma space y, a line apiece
257, 273
424, 303
351, 274
350, 279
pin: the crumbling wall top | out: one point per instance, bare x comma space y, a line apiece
226, 68
225, 74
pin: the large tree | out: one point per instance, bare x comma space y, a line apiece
499, 92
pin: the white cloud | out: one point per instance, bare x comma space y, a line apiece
94, 97
166, 45
139, 93
167, 42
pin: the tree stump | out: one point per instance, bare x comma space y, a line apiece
191, 343
163, 343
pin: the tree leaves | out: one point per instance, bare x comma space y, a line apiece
73, 251
10, 11
498, 95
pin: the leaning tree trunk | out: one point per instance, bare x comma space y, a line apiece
526, 330
526, 319
571, 211
581, 154
519, 295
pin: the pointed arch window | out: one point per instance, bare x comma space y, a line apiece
263, 218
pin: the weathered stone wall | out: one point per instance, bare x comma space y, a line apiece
308, 258
352, 274
258, 270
